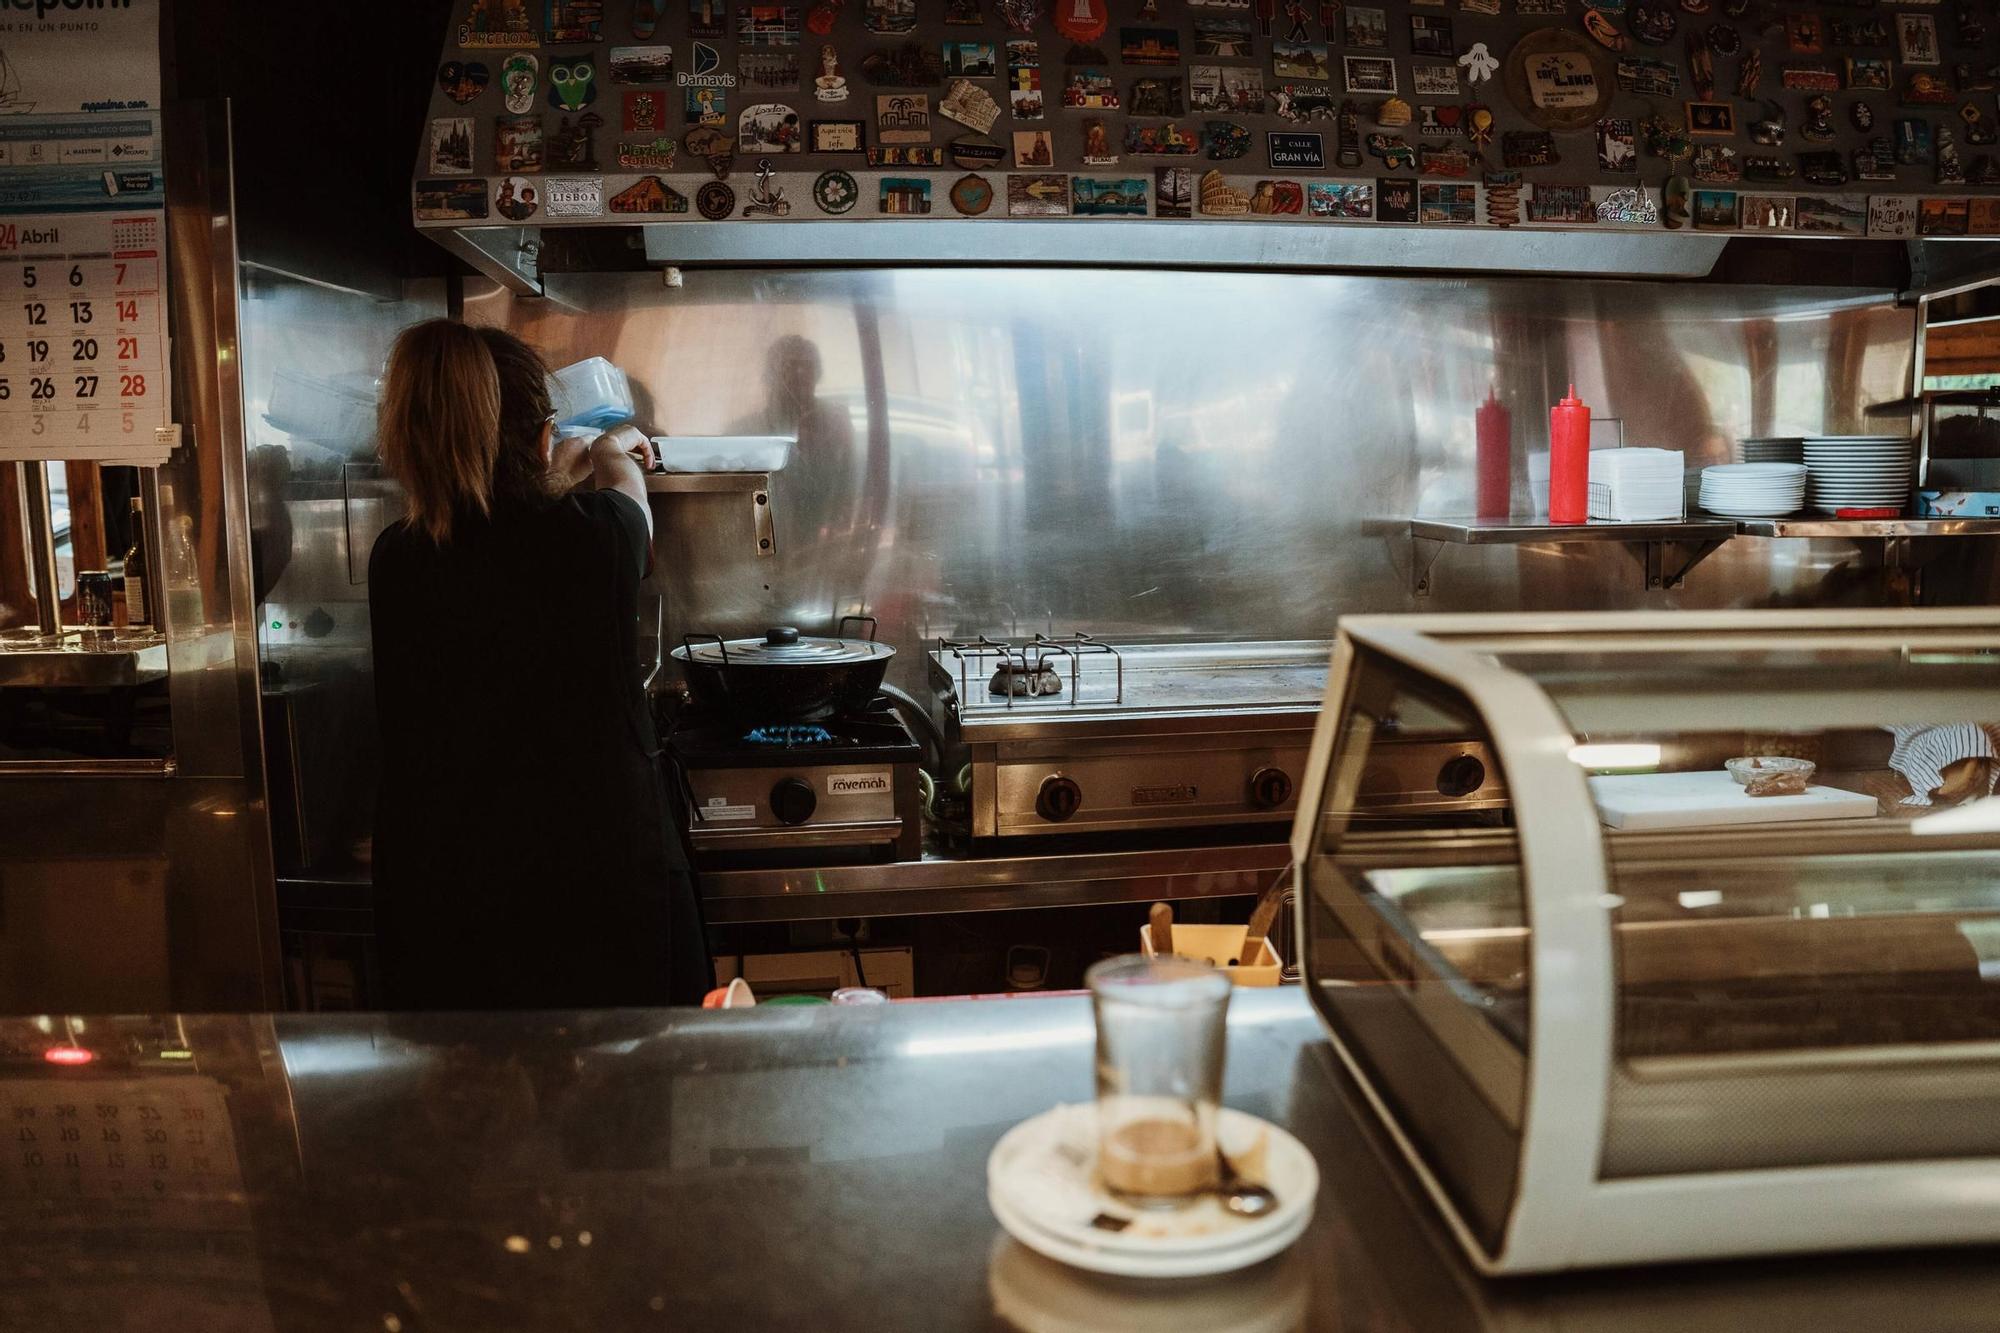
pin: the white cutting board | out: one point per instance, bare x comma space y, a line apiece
1700, 800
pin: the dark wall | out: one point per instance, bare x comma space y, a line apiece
329, 105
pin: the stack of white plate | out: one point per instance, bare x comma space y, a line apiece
1860, 471
1774, 449
1753, 490
1637, 485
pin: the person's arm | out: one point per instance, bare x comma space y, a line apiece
615, 465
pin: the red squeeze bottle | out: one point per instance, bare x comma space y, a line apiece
1569, 460
1496, 457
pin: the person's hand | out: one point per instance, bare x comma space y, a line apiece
629, 440
569, 460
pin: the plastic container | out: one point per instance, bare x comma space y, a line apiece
1569, 460
593, 393
1496, 457
722, 453
335, 412
1218, 946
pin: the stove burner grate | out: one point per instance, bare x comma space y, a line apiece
791, 737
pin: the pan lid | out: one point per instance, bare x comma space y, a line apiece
782, 645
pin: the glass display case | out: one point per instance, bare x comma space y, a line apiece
1723, 975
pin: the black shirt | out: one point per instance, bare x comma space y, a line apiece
524, 855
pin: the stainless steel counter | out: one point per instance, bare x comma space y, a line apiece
771, 1169
993, 883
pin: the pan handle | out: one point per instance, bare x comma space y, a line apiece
688, 641
874, 626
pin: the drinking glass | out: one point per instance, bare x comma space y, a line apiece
1159, 1075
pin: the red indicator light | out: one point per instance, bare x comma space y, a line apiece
68, 1055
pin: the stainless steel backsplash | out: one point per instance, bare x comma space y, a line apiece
1138, 454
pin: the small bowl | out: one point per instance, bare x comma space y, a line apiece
1752, 766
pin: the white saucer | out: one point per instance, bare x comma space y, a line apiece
1041, 1183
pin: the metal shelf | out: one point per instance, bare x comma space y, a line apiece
707, 483
1666, 551
1519, 531
68, 663
1857, 529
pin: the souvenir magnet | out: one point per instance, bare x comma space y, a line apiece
1701, 68
1349, 200
889, 16
1528, 148
911, 65
1768, 130
1097, 147
567, 22
517, 143
1711, 120
714, 147
1091, 89
906, 155
970, 60
1694, 6
1301, 60
1950, 171
1971, 26
768, 127
641, 64
1367, 28
903, 118
451, 146
708, 18
1395, 201
970, 105
975, 154
1630, 206
1925, 89
1654, 24
829, 85
1978, 125
1503, 198
1603, 31
463, 80
450, 201
491, 24
1870, 74
1219, 198
1295, 20
715, 201
1173, 192
1809, 78
518, 75
1226, 140
963, 13
1302, 101
573, 196
1768, 170
1876, 161
572, 84
1447, 205
1749, 74
1155, 97
1161, 140
706, 106
1943, 217
767, 197
1861, 116
1723, 39
1434, 80
1297, 151
1394, 153
1802, 33
1080, 21
1716, 164
1348, 135
822, 15
1019, 15
1149, 46
1392, 113
1676, 196
1985, 171
1715, 210
1478, 63
645, 18
1561, 203
836, 136
1277, 199
1040, 195
1033, 148
1558, 80
1973, 79
1818, 127
1825, 170
1916, 39
1453, 162
1617, 146
516, 198
972, 195
573, 142
1438, 122
1430, 35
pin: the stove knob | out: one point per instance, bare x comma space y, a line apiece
1270, 788
1058, 799
793, 800
1461, 776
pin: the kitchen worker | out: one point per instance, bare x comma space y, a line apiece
524, 855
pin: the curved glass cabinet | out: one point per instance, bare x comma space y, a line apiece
1629, 1011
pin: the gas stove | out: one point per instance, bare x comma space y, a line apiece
844, 785
1073, 735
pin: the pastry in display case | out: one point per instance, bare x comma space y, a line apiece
1723, 975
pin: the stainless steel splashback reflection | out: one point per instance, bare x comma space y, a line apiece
1162, 454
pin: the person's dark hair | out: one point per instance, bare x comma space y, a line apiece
520, 472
